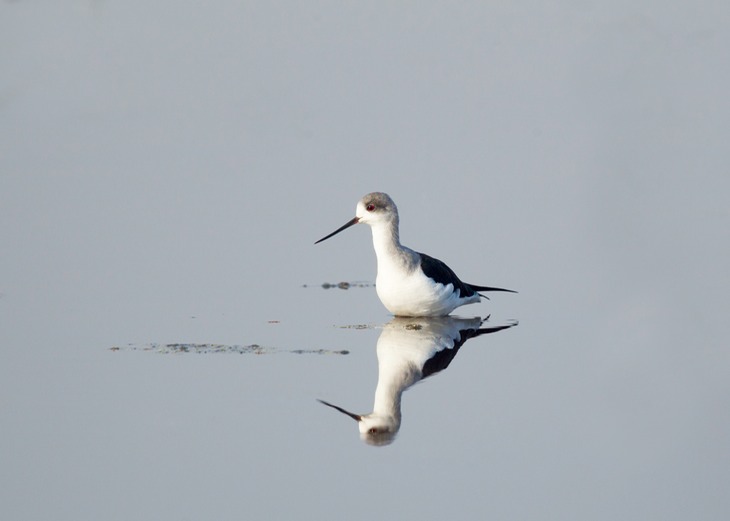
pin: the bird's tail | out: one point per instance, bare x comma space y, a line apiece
487, 288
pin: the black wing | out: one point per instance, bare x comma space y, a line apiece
441, 273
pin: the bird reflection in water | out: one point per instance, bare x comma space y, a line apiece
409, 350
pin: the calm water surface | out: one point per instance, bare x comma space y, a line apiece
164, 336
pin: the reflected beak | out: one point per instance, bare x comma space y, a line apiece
343, 411
338, 230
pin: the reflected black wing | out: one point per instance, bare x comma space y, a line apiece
442, 359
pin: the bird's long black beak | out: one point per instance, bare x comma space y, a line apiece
343, 411
338, 230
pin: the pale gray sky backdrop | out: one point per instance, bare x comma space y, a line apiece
162, 160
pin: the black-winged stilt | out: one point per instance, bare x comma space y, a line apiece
409, 283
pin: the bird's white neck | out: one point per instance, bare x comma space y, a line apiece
391, 254
386, 238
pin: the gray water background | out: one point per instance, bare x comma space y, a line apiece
165, 168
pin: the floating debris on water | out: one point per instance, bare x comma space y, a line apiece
319, 352
255, 349
414, 327
358, 326
342, 285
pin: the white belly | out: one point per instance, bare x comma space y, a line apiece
414, 294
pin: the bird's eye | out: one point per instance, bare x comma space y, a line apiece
370, 207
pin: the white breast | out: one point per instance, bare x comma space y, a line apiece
414, 294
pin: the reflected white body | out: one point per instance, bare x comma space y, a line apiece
404, 348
